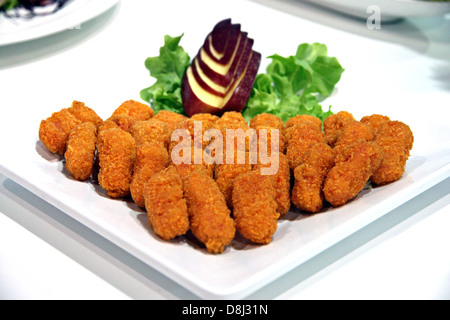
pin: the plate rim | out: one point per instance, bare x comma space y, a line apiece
60, 23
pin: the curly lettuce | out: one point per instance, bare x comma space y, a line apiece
168, 69
296, 84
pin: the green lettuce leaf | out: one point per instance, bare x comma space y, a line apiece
296, 84
168, 69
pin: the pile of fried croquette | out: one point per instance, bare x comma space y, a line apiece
319, 163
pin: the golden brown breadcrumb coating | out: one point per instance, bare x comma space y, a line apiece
165, 204
396, 140
254, 207
334, 124
231, 120
267, 120
209, 215
134, 109
187, 167
300, 137
354, 131
354, 166
307, 194
80, 152
121, 121
151, 157
225, 174
301, 118
375, 121
54, 131
84, 113
171, 118
116, 153
205, 117
151, 130
281, 182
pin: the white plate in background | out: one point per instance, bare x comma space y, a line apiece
389, 9
375, 71
71, 15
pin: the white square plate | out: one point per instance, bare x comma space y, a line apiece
39, 86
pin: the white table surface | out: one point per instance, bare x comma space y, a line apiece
44, 254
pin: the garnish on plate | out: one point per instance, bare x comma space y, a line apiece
224, 77
296, 84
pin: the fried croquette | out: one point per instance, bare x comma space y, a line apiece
205, 117
225, 174
254, 207
151, 130
300, 137
116, 153
195, 129
354, 165
121, 121
231, 120
165, 204
375, 121
301, 118
195, 162
80, 152
151, 158
54, 131
270, 139
281, 182
307, 194
354, 131
84, 113
396, 140
267, 120
134, 109
209, 215
333, 125
171, 118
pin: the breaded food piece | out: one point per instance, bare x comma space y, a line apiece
116, 151
267, 120
187, 167
254, 207
281, 182
225, 174
134, 109
151, 130
121, 121
80, 152
54, 131
354, 131
301, 118
232, 120
396, 140
265, 136
307, 194
334, 124
84, 113
151, 158
171, 118
354, 165
265, 125
301, 136
209, 215
205, 117
165, 204
193, 128
375, 121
